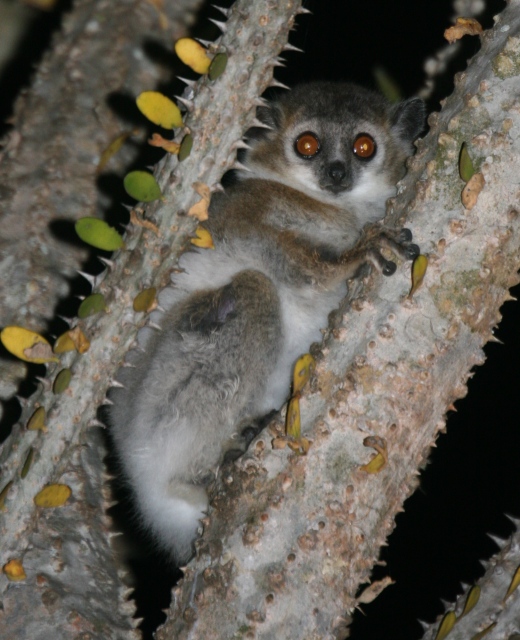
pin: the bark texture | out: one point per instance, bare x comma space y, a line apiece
298, 535
60, 128
70, 571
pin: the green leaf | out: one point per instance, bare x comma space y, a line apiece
466, 168
218, 66
142, 186
186, 145
62, 381
91, 305
99, 234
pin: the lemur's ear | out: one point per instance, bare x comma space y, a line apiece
409, 119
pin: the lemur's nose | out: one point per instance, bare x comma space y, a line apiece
336, 171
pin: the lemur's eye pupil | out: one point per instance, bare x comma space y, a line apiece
307, 144
364, 146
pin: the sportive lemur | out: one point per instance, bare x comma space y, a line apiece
240, 315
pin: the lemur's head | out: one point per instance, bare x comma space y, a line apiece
346, 143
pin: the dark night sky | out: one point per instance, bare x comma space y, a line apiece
472, 479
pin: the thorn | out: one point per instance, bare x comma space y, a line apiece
240, 144
190, 83
291, 47
515, 521
510, 298
496, 539
107, 401
108, 263
303, 10
493, 338
424, 625
275, 83
221, 25
127, 207
159, 308
154, 325
66, 320
276, 62
261, 102
216, 187
94, 422
261, 125
452, 407
239, 166
45, 382
109, 504
189, 104
128, 364
204, 43
88, 277
136, 622
222, 10
23, 401
116, 384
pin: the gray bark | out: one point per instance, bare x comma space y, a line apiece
71, 573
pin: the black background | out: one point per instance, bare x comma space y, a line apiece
472, 479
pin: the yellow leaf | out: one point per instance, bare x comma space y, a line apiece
446, 625
303, 370
64, 343
112, 149
379, 461
514, 583
193, 54
37, 420
293, 421
375, 465
471, 600
53, 495
419, 266
146, 300
200, 209
14, 571
203, 239
80, 340
159, 109
27, 345
168, 145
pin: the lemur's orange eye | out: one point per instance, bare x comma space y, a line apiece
364, 146
307, 144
